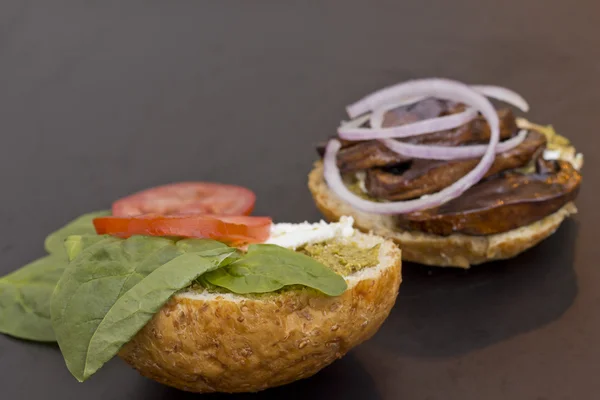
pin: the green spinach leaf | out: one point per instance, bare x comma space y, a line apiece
81, 226
25, 293
135, 308
76, 243
267, 268
25, 299
207, 247
113, 287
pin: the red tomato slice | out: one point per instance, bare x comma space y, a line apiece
187, 198
230, 229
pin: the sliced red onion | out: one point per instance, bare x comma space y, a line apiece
355, 123
377, 115
407, 130
438, 88
448, 152
503, 94
355, 132
496, 92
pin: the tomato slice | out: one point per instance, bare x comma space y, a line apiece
229, 229
187, 198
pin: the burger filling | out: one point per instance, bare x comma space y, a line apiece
342, 258
524, 184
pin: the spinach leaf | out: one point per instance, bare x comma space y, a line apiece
25, 293
207, 247
113, 287
76, 243
93, 282
81, 226
25, 299
135, 308
266, 268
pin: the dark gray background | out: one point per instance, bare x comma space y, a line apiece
101, 98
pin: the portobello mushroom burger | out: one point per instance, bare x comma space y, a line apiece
432, 165
190, 290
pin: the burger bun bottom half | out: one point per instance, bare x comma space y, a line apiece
211, 342
456, 250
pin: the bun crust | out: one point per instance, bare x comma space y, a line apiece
231, 343
456, 250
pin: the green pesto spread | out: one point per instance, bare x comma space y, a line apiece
343, 258
354, 187
353, 184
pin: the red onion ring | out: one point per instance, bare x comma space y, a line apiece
503, 94
407, 130
355, 123
448, 152
439, 88
355, 132
444, 152
376, 120
496, 92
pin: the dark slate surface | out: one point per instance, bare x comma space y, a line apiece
98, 99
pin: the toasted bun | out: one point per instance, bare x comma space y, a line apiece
207, 342
456, 250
